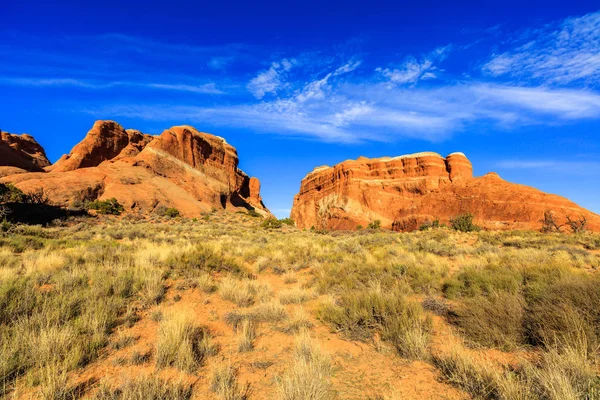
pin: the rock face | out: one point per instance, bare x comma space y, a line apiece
182, 168
107, 140
21, 152
407, 191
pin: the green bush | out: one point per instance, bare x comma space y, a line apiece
254, 214
374, 224
464, 223
172, 212
561, 310
287, 221
272, 223
431, 225
359, 314
492, 321
110, 206
9, 193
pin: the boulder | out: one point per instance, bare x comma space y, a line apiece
21, 152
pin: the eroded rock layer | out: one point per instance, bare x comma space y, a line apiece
407, 191
182, 168
21, 152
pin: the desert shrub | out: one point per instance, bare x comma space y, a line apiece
149, 388
287, 221
246, 333
244, 293
309, 376
298, 322
374, 224
431, 225
564, 374
477, 378
181, 344
172, 212
359, 314
493, 321
471, 281
153, 289
225, 384
203, 259
9, 193
463, 223
109, 206
577, 225
549, 224
437, 246
435, 305
558, 314
206, 283
270, 312
272, 223
296, 296
290, 277
254, 214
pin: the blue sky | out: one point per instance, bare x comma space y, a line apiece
293, 86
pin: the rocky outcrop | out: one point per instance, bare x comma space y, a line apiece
182, 168
21, 152
407, 191
107, 140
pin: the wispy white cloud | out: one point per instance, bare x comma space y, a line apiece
562, 103
271, 80
551, 165
375, 112
413, 70
206, 88
554, 54
220, 62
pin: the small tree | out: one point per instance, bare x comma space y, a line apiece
38, 196
464, 223
549, 224
577, 226
4, 211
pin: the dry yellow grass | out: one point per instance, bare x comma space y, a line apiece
77, 296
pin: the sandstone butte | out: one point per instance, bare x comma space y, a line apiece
407, 191
182, 168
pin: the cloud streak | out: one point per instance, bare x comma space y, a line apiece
272, 80
558, 54
552, 165
206, 88
412, 70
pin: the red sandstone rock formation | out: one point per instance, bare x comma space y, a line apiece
107, 140
182, 168
22, 153
405, 192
